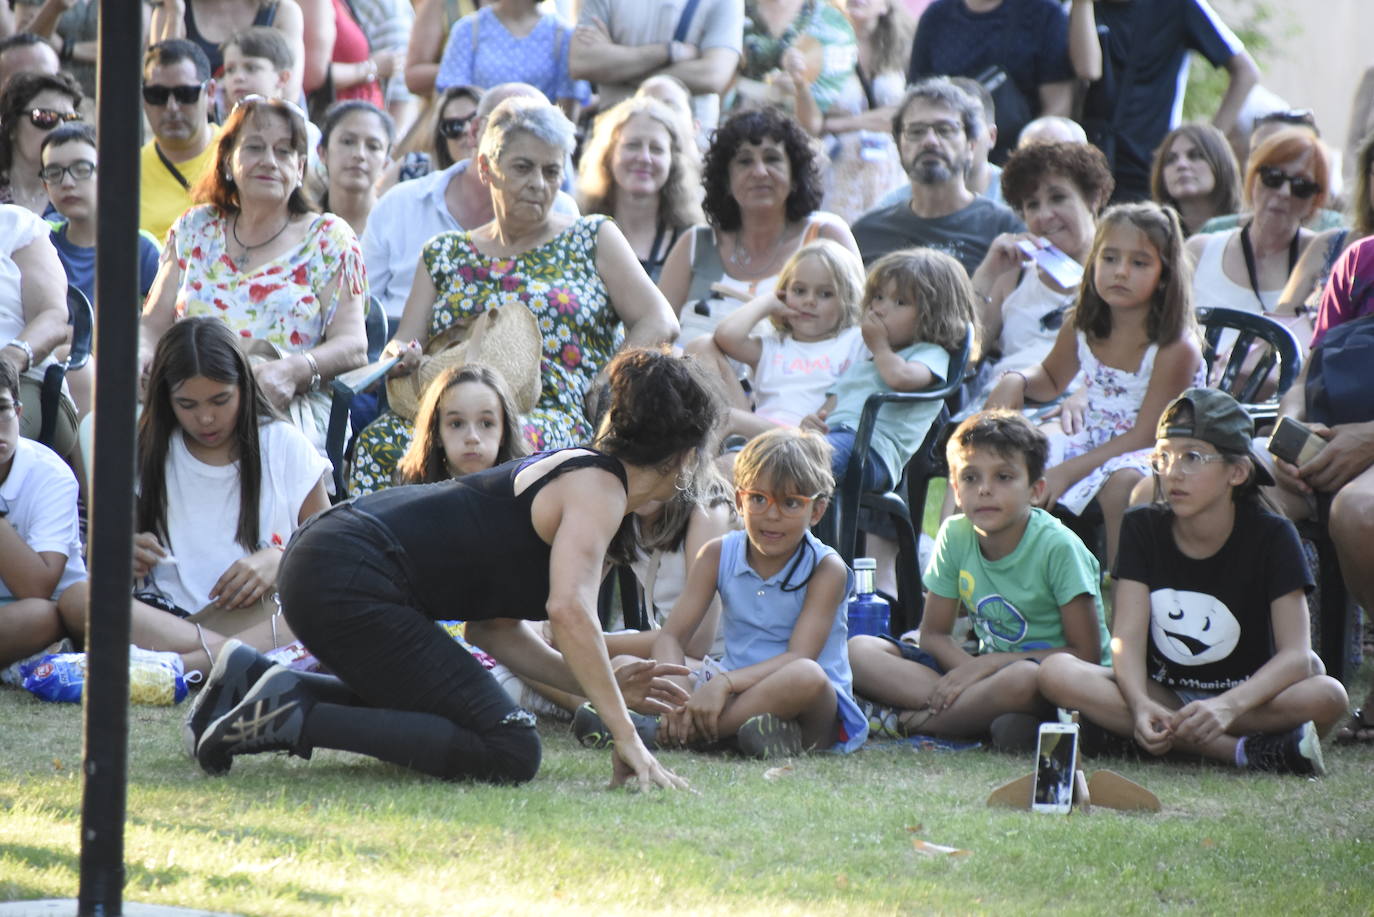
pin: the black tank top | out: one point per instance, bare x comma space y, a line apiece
266, 15
471, 543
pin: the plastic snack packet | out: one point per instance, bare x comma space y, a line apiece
154, 678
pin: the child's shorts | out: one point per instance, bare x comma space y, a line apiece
1188, 695
915, 654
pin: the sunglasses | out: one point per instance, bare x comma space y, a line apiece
453, 128
45, 119
185, 95
1302, 188
80, 170
1296, 116
255, 99
1053, 320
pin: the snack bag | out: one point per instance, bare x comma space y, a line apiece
154, 678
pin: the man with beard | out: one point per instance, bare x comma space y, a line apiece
177, 91
934, 128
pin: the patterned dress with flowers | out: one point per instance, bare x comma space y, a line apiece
1114, 399
559, 283
277, 301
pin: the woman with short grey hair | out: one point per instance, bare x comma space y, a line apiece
577, 275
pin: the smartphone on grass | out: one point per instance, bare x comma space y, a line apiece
1056, 761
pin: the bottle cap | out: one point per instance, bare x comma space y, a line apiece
865, 563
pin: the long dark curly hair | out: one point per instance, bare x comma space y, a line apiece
754, 126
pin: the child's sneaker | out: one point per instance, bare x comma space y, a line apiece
591, 732
883, 722
271, 717
1295, 752
769, 736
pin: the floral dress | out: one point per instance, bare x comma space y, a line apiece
559, 283
1114, 399
865, 164
277, 301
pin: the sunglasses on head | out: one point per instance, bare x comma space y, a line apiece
453, 128
1295, 116
45, 119
185, 95
1302, 188
255, 99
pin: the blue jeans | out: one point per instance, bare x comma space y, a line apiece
876, 479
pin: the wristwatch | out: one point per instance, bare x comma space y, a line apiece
28, 352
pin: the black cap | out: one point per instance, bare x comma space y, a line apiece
1218, 419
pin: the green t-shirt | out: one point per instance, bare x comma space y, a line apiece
1014, 602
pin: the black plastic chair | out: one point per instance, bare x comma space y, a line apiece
1279, 357
349, 385
842, 522
82, 319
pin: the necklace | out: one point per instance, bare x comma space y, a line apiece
741, 258
249, 249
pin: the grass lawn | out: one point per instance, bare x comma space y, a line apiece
342, 835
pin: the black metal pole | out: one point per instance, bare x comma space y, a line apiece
111, 502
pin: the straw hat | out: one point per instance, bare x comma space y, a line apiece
506, 339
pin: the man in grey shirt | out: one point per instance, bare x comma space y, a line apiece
620, 43
934, 129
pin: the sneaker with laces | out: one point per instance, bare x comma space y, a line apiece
271, 717
236, 668
883, 721
591, 732
769, 736
1296, 752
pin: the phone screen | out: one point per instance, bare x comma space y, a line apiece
1054, 768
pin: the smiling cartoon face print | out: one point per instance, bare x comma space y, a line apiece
1192, 628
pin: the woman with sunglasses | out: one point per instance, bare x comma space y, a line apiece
31, 104
640, 169
450, 141
257, 254
1247, 269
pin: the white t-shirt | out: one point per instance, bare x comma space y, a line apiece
18, 228
41, 495
792, 377
203, 509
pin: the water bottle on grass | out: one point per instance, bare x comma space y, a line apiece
869, 612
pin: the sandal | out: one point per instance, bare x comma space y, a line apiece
1356, 731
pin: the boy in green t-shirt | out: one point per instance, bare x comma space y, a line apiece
1028, 584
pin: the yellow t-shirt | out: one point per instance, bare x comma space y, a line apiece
161, 197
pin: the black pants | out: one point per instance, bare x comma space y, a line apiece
346, 591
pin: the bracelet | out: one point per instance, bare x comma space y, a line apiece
370, 71
728, 683
315, 371
28, 352
1016, 372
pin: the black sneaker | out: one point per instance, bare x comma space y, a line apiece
236, 669
1296, 752
769, 736
270, 717
591, 732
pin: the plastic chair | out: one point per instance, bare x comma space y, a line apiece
82, 319
1273, 345
346, 387
842, 522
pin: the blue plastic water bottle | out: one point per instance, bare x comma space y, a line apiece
869, 612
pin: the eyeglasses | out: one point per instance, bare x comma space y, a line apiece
945, 130
80, 170
453, 128
185, 95
1302, 188
1053, 320
1190, 462
1303, 116
45, 119
756, 503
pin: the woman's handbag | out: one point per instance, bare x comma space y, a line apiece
505, 339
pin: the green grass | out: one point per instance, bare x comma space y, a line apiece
342, 835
